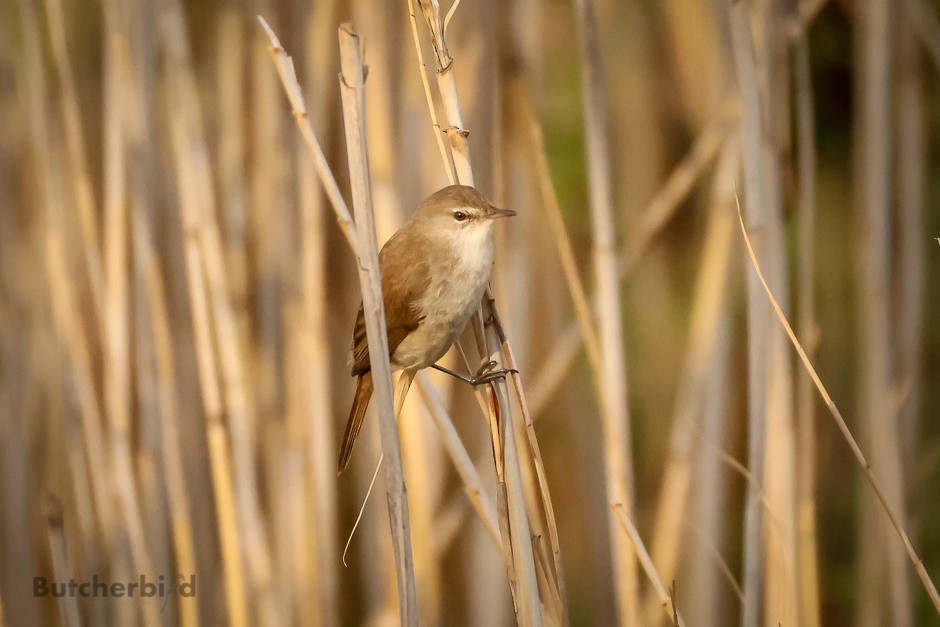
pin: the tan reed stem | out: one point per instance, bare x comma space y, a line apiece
352, 91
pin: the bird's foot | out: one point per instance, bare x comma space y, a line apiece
484, 375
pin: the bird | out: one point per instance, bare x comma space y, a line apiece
434, 272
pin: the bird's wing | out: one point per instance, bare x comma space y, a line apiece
403, 282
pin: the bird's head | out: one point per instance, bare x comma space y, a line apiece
459, 209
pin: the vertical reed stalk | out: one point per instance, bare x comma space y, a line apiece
351, 89
757, 315
514, 519
618, 459
878, 409
911, 122
806, 321
709, 312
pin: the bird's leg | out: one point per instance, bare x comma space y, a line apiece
485, 374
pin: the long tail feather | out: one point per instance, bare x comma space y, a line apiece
354, 423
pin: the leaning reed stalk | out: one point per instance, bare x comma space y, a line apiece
351, 90
618, 459
866, 467
874, 169
667, 603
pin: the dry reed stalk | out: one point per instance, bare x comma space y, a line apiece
451, 168
456, 132
558, 589
757, 313
618, 458
782, 589
874, 170
116, 335
75, 142
911, 122
665, 600
514, 523
422, 459
230, 156
708, 319
314, 336
70, 330
807, 323
274, 424
893, 518
222, 377
351, 90
657, 215
710, 508
165, 375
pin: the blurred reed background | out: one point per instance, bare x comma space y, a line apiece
177, 302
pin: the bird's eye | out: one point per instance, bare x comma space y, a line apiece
460, 216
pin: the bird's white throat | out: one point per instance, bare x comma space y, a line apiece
472, 246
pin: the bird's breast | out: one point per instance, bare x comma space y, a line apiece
452, 296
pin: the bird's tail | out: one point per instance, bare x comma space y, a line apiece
356, 415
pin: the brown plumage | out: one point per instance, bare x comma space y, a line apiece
425, 311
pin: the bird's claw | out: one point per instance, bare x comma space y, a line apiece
486, 374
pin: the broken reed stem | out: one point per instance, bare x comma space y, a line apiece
843, 427
447, 86
423, 70
615, 414
667, 602
351, 90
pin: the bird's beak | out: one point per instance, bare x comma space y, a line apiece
500, 213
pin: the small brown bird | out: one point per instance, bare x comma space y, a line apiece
434, 272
